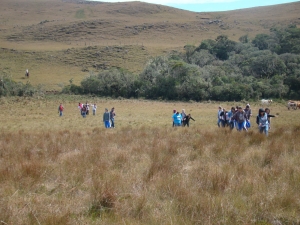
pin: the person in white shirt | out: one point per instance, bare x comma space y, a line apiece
87, 105
94, 109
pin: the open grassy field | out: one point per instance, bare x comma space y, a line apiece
39, 114
71, 170
60, 40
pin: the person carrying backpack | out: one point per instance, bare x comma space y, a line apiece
263, 121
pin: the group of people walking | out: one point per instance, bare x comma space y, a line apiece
84, 109
181, 119
239, 118
236, 117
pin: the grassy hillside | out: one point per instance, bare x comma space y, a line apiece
37, 34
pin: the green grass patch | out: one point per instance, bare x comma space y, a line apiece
80, 14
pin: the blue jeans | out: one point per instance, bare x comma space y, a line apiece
94, 112
223, 123
83, 114
177, 124
241, 126
112, 122
106, 124
60, 113
264, 129
219, 121
232, 124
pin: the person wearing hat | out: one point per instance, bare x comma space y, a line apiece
106, 118
240, 117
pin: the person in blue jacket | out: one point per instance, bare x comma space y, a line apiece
174, 112
177, 118
231, 121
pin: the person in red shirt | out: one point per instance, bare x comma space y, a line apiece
60, 109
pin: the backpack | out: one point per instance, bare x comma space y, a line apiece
248, 124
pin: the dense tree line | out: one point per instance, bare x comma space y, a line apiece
266, 67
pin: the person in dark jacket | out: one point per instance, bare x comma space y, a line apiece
267, 112
248, 111
112, 117
106, 118
223, 117
240, 117
186, 120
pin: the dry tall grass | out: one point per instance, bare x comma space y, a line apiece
146, 173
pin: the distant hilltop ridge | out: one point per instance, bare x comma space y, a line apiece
83, 2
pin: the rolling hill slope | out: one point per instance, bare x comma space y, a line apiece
60, 40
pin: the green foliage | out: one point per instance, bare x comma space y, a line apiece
8, 87
72, 88
244, 39
221, 47
220, 69
202, 58
261, 41
113, 83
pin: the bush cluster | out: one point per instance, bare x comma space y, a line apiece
8, 87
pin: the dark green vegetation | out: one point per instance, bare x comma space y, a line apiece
220, 69
9, 87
